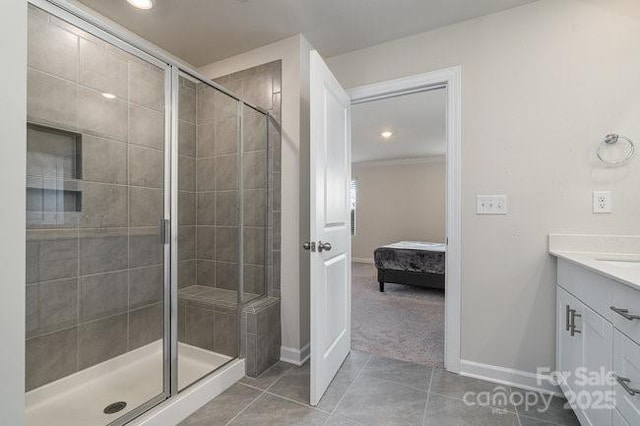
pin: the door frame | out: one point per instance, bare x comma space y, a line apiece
451, 80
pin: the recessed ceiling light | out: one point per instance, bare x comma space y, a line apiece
109, 95
386, 134
141, 4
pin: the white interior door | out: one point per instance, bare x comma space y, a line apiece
330, 226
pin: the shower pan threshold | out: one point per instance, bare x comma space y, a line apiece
134, 377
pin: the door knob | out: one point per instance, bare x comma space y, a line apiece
324, 246
309, 245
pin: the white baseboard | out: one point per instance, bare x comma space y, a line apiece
362, 260
295, 356
175, 410
509, 377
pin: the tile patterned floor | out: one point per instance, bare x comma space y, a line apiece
371, 390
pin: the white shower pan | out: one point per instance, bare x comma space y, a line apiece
134, 377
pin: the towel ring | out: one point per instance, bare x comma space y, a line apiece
610, 140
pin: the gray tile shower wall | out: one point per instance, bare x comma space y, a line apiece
208, 233
260, 319
212, 119
94, 256
94, 272
261, 86
261, 334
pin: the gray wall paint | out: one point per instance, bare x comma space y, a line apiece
396, 203
13, 49
541, 85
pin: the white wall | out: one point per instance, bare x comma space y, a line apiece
541, 85
294, 53
397, 202
13, 112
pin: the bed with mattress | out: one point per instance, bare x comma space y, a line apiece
414, 263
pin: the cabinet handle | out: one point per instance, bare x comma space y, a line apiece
573, 314
625, 313
567, 315
623, 381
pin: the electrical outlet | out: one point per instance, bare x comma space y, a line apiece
491, 204
602, 202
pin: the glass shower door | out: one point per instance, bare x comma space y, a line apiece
96, 200
207, 229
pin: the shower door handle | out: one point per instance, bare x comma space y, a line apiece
165, 231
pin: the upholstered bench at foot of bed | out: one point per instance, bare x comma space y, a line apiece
416, 263
418, 279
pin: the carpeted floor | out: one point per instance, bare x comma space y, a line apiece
404, 322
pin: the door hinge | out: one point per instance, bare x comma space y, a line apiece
165, 231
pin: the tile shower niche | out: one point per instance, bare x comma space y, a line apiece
54, 164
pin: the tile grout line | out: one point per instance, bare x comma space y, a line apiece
426, 403
264, 373
351, 385
404, 385
484, 406
303, 404
279, 378
245, 408
516, 408
252, 387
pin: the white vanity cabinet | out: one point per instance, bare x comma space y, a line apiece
597, 333
585, 342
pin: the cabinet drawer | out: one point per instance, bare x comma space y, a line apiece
600, 294
626, 364
592, 289
628, 299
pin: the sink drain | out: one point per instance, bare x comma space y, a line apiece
115, 407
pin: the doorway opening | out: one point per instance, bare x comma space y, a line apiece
331, 219
398, 226
448, 80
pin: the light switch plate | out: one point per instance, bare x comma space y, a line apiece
491, 204
602, 202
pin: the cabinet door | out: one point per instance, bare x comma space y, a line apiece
596, 339
568, 347
626, 365
584, 358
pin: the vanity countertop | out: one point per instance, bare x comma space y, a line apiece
613, 256
624, 268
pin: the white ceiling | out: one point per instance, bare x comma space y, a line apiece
418, 123
205, 31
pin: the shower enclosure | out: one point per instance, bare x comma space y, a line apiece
147, 197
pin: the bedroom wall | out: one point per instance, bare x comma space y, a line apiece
398, 202
541, 85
